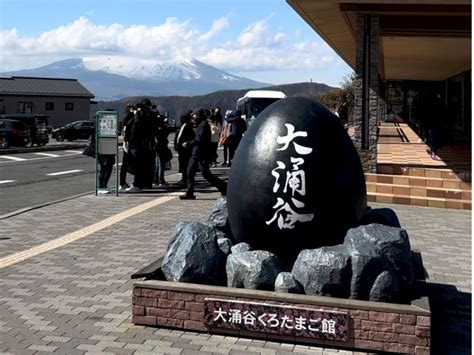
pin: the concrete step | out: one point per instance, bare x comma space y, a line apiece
441, 173
419, 181
419, 191
419, 201
440, 190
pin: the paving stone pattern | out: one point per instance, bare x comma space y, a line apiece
76, 299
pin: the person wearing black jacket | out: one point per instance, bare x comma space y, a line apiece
163, 153
200, 157
185, 133
142, 146
127, 128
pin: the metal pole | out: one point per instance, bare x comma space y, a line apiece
117, 155
96, 155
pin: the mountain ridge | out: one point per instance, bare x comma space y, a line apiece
117, 78
175, 105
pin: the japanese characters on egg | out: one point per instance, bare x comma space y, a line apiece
289, 205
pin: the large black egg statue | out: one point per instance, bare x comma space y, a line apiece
296, 180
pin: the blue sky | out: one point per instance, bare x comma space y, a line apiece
263, 40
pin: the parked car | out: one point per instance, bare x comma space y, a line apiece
35, 123
74, 130
14, 133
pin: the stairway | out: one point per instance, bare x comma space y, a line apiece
418, 186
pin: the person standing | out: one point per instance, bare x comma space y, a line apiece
127, 128
216, 129
185, 133
200, 157
163, 153
142, 144
226, 129
106, 163
434, 111
239, 127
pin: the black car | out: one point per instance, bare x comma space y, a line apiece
74, 130
35, 123
14, 133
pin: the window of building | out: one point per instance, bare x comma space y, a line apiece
69, 106
24, 107
49, 106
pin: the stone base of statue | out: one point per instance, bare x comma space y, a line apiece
284, 317
293, 253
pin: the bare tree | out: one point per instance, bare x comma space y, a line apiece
341, 101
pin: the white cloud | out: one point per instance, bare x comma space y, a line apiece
217, 26
171, 38
256, 48
252, 35
8, 38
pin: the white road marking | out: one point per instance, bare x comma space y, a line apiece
48, 155
64, 172
12, 158
74, 151
116, 164
6, 181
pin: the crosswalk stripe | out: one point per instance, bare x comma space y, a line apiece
64, 172
48, 155
12, 158
6, 181
74, 151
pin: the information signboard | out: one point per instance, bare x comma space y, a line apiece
106, 148
107, 124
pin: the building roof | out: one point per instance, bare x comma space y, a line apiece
31, 86
419, 39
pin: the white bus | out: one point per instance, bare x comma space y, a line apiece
255, 101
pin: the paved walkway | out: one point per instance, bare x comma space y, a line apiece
398, 144
73, 296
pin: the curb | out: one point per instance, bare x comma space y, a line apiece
27, 209
42, 149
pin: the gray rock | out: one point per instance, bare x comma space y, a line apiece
219, 232
193, 255
240, 248
324, 271
219, 217
285, 282
385, 216
385, 288
390, 242
365, 270
224, 245
252, 270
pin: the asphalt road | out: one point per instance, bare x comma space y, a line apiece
32, 179
36, 178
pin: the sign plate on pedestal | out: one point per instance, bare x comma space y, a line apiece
276, 319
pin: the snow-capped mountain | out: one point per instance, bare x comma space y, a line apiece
152, 70
110, 78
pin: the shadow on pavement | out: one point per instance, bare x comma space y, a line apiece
451, 319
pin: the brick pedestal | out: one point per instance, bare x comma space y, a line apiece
372, 325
